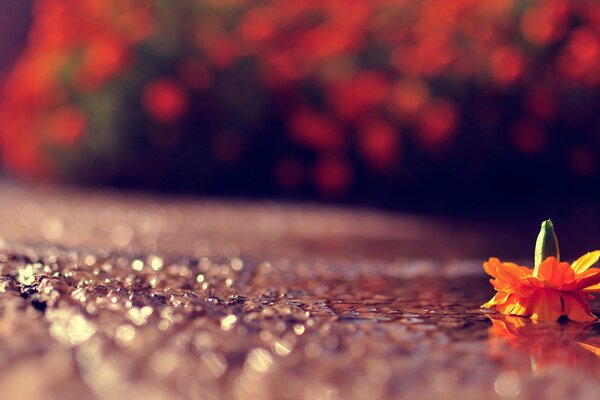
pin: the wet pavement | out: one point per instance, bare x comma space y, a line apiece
108, 296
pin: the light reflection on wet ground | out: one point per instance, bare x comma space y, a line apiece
180, 304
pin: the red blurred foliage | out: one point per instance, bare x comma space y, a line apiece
580, 59
222, 51
506, 65
196, 74
164, 100
545, 22
67, 125
103, 57
84, 43
408, 96
358, 95
316, 130
349, 76
582, 161
528, 137
333, 175
437, 123
379, 144
540, 103
290, 173
228, 147
258, 25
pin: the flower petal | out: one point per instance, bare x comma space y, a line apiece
506, 326
592, 289
499, 298
591, 348
585, 261
507, 274
558, 274
545, 306
576, 308
515, 305
585, 281
499, 328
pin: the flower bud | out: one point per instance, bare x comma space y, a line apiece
546, 244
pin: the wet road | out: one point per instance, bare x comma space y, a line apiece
108, 296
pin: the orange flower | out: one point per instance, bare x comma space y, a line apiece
550, 290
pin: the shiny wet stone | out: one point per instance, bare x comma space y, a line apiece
191, 308
242, 333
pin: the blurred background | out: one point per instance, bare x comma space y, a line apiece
462, 107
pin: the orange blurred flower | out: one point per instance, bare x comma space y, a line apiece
550, 290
